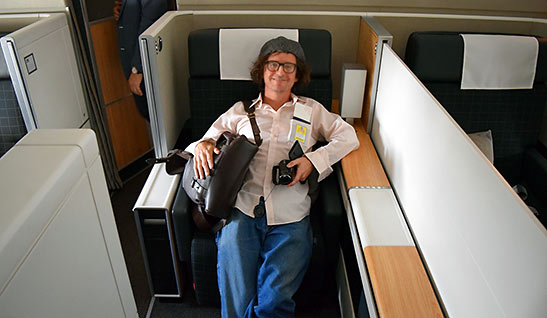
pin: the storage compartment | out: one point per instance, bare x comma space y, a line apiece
157, 250
39, 76
60, 251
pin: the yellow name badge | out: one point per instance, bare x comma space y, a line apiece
300, 124
301, 132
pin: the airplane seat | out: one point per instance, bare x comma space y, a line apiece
12, 126
210, 97
514, 116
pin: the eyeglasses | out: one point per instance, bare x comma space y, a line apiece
273, 66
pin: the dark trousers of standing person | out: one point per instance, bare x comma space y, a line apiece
142, 103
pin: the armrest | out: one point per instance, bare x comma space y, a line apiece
182, 223
534, 171
329, 206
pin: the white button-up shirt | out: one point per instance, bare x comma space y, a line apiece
283, 204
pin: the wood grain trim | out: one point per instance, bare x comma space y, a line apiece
105, 45
362, 167
335, 106
367, 56
128, 131
400, 284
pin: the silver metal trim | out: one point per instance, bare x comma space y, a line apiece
343, 288
150, 307
176, 268
143, 251
18, 82
383, 37
359, 251
154, 111
166, 295
174, 253
368, 187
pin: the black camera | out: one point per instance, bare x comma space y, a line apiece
281, 174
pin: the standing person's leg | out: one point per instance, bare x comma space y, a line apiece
286, 253
239, 244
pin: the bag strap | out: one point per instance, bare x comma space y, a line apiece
252, 118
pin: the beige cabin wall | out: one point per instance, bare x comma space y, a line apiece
526, 8
31, 5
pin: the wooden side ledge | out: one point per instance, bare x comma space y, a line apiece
401, 286
362, 167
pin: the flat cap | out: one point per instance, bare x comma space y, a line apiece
284, 45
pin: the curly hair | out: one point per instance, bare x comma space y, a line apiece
303, 72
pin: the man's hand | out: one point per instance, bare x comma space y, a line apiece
303, 169
135, 83
116, 10
203, 158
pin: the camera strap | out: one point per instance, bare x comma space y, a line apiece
260, 209
252, 118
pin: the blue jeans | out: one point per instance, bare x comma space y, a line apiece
260, 267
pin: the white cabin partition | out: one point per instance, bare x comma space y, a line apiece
43, 68
486, 253
164, 51
60, 251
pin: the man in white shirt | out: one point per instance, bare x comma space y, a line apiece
265, 247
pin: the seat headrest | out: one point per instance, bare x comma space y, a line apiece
438, 57
203, 55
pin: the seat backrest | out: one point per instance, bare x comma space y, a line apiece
12, 126
513, 116
210, 96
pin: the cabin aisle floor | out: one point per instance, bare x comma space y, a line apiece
122, 203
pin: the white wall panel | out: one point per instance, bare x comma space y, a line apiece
485, 250
51, 92
60, 254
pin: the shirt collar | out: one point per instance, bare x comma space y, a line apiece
296, 99
258, 101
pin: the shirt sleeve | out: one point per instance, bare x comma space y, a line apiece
226, 122
340, 137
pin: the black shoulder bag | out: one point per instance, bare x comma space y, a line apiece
215, 195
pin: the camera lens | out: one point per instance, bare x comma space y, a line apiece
285, 179
281, 174
285, 174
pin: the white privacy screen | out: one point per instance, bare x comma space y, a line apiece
485, 251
